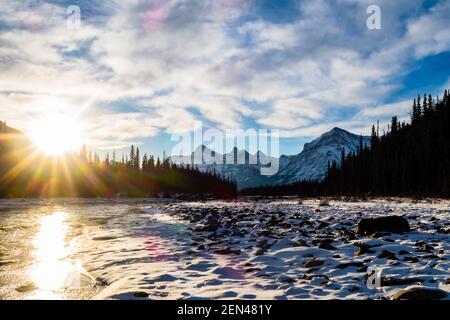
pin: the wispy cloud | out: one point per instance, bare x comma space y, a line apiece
178, 61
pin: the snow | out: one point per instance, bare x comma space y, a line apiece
149, 249
310, 164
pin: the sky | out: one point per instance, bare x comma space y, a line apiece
136, 72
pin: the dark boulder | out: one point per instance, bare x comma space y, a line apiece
385, 254
394, 224
227, 251
350, 264
313, 263
391, 281
140, 294
419, 293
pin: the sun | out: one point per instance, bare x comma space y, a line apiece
56, 135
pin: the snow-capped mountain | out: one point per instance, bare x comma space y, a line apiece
309, 164
238, 165
312, 162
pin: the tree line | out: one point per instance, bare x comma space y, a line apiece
24, 172
409, 159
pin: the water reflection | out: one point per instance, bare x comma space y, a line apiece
51, 273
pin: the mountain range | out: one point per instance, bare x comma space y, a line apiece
310, 164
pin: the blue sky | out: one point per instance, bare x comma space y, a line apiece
137, 71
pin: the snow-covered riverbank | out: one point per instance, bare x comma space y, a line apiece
247, 249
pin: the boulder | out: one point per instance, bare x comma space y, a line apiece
393, 224
324, 244
363, 249
313, 263
350, 264
391, 281
227, 251
385, 254
140, 294
419, 293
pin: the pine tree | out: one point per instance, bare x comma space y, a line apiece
415, 112
132, 156
342, 155
425, 107
419, 107
373, 137
151, 163
145, 163
394, 125
137, 160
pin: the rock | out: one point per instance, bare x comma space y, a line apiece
387, 255
380, 234
103, 238
419, 293
322, 225
260, 252
431, 256
394, 224
363, 249
101, 282
411, 259
227, 251
274, 221
350, 264
426, 248
313, 263
326, 245
211, 224
140, 294
285, 279
390, 281
362, 269
444, 230
27, 287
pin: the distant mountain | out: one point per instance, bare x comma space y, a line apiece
310, 164
230, 165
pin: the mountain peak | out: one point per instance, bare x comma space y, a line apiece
336, 136
337, 129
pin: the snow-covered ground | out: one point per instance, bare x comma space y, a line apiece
246, 249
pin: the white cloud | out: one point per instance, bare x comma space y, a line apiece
179, 61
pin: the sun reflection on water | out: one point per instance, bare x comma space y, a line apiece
51, 272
